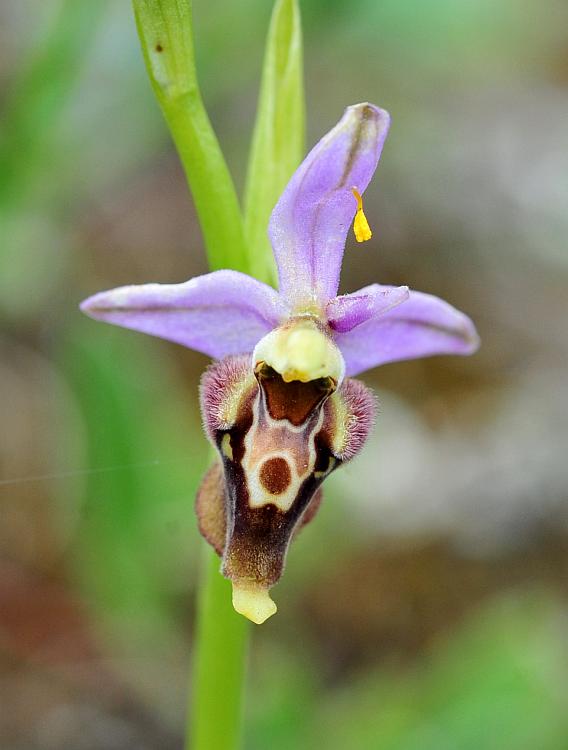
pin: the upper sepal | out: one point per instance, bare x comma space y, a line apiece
309, 224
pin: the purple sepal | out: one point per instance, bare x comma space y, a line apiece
421, 326
309, 224
220, 313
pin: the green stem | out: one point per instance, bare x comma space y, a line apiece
216, 700
165, 28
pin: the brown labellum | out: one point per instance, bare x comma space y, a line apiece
277, 442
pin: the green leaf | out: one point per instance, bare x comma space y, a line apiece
165, 28
278, 140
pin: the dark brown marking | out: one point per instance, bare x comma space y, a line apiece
293, 401
275, 475
159, 48
258, 538
310, 512
254, 540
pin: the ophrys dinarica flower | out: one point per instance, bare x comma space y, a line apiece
280, 403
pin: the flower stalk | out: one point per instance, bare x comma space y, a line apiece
216, 698
165, 29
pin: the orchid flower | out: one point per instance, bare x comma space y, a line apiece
280, 403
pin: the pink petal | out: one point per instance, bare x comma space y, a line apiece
420, 327
350, 310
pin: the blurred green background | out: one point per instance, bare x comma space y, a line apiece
427, 608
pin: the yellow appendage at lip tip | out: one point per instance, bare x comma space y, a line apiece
361, 227
253, 602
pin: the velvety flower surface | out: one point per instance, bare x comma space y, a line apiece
280, 404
